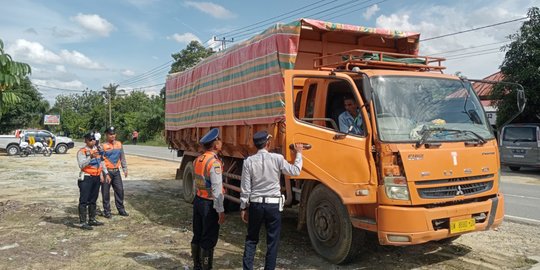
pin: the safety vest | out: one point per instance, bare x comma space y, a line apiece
112, 154
203, 165
94, 167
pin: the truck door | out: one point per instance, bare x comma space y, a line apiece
341, 160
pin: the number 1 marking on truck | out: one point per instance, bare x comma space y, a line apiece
454, 158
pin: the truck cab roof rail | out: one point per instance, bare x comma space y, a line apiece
380, 60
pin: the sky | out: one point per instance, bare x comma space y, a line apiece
77, 45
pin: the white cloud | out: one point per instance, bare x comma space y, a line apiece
35, 53
212, 9
370, 11
184, 38
435, 20
128, 72
74, 84
94, 23
213, 44
78, 59
61, 68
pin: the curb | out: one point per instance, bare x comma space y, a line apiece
525, 221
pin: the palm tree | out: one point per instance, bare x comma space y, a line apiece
11, 73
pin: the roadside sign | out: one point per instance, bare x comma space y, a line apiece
51, 119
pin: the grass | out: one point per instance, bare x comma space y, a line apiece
158, 140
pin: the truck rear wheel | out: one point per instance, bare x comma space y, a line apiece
329, 227
189, 183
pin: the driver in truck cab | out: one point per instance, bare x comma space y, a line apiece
350, 121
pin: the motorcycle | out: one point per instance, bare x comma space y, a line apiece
36, 148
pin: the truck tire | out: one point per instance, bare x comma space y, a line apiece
329, 227
13, 150
61, 149
514, 168
188, 181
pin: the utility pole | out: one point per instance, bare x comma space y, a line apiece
224, 42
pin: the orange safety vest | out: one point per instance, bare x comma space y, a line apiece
203, 164
112, 154
94, 168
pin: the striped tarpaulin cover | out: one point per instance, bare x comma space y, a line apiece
243, 85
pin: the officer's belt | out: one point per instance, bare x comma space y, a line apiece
87, 174
113, 170
265, 200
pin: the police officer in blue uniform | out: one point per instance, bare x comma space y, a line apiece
208, 210
261, 200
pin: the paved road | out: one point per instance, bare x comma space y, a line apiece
522, 194
152, 151
521, 189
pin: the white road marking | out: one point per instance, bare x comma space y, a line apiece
523, 219
521, 196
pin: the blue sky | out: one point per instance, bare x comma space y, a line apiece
89, 44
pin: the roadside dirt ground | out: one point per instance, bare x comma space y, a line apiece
39, 196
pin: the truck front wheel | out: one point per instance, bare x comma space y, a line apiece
189, 183
329, 227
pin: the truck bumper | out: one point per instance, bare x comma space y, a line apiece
415, 225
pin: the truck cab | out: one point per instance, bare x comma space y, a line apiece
424, 168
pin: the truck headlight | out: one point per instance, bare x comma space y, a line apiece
396, 188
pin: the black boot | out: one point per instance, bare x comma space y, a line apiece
207, 258
82, 218
196, 255
92, 216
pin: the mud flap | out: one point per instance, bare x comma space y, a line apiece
492, 212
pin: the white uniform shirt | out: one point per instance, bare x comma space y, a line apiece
261, 173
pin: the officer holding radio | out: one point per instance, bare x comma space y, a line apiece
92, 166
261, 199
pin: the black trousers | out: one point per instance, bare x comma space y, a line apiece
89, 190
118, 188
269, 215
205, 223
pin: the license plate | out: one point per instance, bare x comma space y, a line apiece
519, 156
463, 225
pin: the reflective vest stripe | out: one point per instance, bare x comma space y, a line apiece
92, 168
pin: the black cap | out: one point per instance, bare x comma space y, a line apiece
110, 130
89, 136
261, 137
210, 136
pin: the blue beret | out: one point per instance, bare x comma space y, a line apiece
261, 137
210, 136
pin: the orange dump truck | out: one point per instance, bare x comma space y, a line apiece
423, 167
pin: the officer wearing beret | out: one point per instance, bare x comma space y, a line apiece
208, 210
92, 166
113, 154
261, 199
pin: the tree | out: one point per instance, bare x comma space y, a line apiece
28, 113
190, 56
11, 74
521, 65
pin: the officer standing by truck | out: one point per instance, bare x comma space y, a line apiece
91, 165
208, 210
261, 199
113, 154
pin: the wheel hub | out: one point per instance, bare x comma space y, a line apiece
325, 221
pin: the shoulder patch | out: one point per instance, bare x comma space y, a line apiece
217, 167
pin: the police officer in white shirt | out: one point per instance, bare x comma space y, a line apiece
261, 197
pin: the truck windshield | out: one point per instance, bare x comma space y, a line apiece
407, 107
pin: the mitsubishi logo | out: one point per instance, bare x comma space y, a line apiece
459, 191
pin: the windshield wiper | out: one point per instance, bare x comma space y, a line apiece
427, 131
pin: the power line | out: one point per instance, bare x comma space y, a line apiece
351, 11
58, 88
474, 29
275, 17
472, 55
149, 71
468, 48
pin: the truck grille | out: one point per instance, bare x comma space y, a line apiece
454, 190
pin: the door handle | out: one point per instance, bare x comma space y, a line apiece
307, 146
